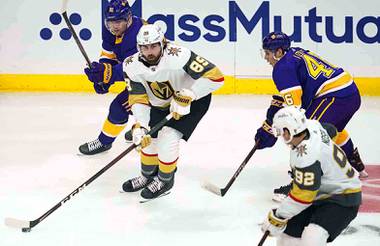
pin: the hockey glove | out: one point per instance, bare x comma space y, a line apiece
275, 225
101, 88
275, 105
180, 105
265, 136
139, 136
100, 74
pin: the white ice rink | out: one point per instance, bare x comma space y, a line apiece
40, 165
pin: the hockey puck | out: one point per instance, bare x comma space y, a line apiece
26, 229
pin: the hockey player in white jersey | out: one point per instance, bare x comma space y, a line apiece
326, 192
164, 78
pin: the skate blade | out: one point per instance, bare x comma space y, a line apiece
148, 200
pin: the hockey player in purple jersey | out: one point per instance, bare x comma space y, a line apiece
327, 93
119, 42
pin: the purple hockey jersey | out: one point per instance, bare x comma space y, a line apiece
300, 76
116, 49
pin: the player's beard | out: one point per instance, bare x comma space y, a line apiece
152, 59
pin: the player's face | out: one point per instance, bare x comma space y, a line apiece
151, 52
118, 27
286, 135
272, 57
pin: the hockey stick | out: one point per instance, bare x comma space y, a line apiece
26, 225
221, 192
71, 28
263, 238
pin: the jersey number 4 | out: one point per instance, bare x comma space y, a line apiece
316, 66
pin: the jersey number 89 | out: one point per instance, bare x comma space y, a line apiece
199, 64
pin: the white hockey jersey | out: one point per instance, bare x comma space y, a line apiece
321, 173
178, 68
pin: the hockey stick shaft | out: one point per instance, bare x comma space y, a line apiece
263, 238
30, 224
71, 28
223, 191
241, 167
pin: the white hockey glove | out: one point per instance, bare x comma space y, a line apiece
274, 224
180, 105
139, 136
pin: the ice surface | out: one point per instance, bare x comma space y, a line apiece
40, 134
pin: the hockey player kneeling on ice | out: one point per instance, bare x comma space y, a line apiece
326, 191
164, 78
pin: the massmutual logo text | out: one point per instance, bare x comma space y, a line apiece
190, 27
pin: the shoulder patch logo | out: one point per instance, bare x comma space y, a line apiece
128, 60
162, 90
325, 137
174, 51
301, 150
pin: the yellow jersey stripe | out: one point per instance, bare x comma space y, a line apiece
315, 111
213, 74
350, 191
324, 111
140, 98
108, 55
119, 39
302, 196
292, 96
339, 82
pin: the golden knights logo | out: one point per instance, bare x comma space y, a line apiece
162, 90
128, 60
301, 150
174, 51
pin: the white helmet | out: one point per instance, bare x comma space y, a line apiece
292, 118
150, 34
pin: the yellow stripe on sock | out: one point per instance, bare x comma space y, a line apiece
111, 129
148, 159
167, 167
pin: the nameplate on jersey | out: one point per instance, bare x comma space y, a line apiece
162, 90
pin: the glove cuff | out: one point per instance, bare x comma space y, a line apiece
276, 221
277, 101
138, 125
267, 127
107, 73
184, 97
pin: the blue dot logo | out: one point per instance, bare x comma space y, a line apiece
46, 33
65, 34
55, 19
